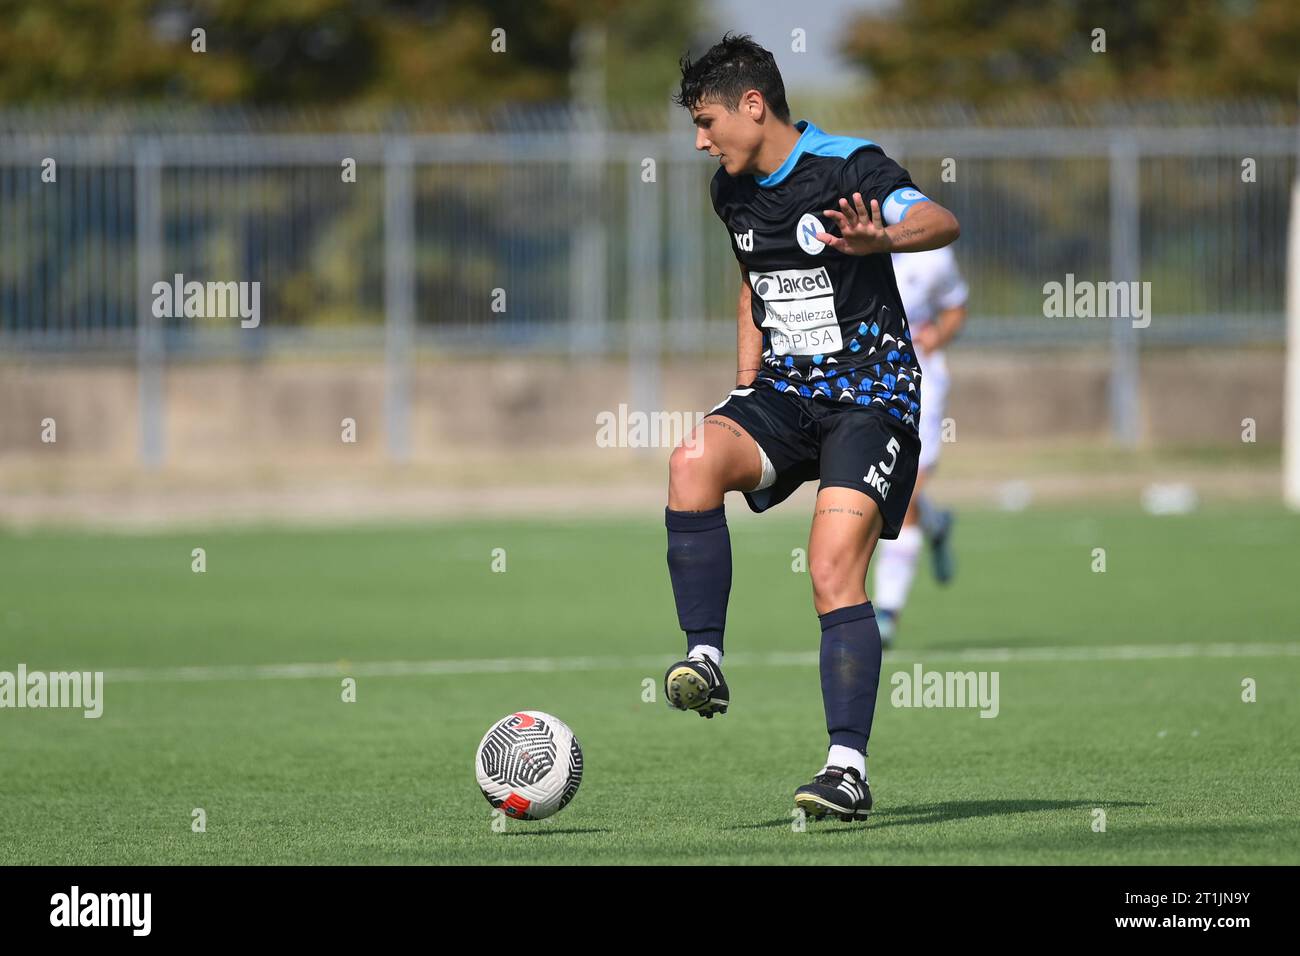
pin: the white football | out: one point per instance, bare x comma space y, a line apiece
529, 765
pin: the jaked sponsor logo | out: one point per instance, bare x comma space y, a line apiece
787, 284
75, 908
82, 690
745, 240
799, 311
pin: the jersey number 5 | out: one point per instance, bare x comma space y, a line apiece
892, 448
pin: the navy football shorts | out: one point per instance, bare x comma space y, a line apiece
845, 445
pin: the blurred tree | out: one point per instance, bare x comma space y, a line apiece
332, 52
984, 50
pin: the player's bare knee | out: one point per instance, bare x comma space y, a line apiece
832, 599
827, 576
692, 483
835, 580
685, 467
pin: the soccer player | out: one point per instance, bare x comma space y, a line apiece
827, 387
934, 299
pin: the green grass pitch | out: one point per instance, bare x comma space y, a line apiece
1158, 737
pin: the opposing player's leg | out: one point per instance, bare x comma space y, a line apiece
719, 456
935, 523
936, 526
846, 526
895, 567
926, 524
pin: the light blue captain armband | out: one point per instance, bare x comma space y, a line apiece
897, 204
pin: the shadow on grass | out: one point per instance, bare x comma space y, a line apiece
554, 832
970, 809
930, 813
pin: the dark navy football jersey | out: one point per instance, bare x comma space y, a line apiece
833, 324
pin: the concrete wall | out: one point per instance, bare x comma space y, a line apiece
280, 412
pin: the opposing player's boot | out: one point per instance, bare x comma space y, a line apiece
836, 790
697, 684
941, 559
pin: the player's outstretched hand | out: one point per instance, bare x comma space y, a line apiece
861, 233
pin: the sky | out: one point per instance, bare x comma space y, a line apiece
770, 22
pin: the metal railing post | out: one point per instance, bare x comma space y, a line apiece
149, 345
399, 296
1125, 212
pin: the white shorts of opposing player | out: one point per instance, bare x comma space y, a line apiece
934, 405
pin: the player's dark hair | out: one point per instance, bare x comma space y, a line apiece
727, 71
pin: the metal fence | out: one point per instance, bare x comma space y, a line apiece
594, 240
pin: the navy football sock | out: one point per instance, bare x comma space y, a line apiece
699, 563
850, 669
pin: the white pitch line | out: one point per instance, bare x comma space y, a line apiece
522, 665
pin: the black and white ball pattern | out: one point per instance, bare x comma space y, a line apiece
529, 765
